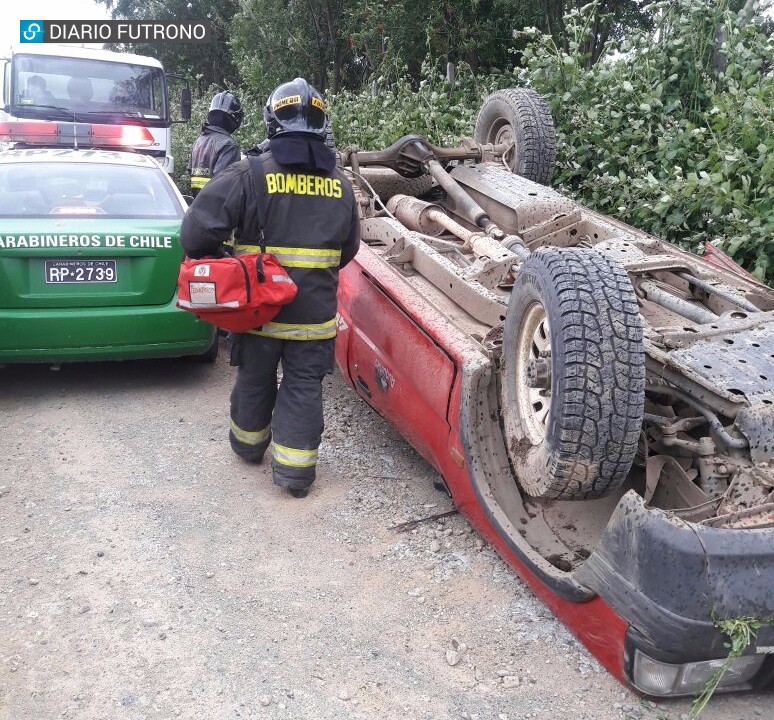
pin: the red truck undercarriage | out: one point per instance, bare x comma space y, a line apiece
599, 403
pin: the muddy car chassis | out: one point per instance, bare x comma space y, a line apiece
599, 403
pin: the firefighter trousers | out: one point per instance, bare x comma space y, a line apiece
289, 419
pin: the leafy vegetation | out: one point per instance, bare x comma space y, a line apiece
431, 107
740, 633
661, 138
655, 135
665, 111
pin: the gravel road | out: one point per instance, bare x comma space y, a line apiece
145, 572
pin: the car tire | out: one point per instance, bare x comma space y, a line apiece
523, 118
572, 377
210, 355
387, 182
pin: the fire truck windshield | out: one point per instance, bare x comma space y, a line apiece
56, 88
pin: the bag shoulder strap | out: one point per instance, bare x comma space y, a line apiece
258, 176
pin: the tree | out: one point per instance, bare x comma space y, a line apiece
341, 43
276, 40
609, 20
405, 32
480, 32
210, 63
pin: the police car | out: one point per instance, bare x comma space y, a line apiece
89, 250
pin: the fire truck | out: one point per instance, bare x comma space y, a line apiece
59, 83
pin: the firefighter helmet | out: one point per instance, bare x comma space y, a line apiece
227, 104
295, 107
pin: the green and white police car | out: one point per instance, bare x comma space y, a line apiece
89, 251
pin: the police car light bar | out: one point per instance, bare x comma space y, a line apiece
27, 132
60, 134
121, 136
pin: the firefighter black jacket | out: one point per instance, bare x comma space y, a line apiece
213, 151
311, 226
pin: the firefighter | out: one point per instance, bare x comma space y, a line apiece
215, 149
311, 225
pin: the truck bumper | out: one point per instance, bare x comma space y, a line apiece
672, 580
663, 581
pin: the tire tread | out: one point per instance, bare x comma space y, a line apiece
533, 125
600, 377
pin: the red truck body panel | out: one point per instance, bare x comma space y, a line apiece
403, 356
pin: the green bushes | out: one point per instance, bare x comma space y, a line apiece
656, 137
441, 114
662, 140
673, 133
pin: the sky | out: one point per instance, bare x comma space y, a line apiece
15, 10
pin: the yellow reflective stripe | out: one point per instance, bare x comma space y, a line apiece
309, 326
293, 331
308, 263
198, 182
293, 334
294, 457
314, 252
250, 438
297, 256
275, 250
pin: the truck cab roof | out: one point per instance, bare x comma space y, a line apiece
82, 53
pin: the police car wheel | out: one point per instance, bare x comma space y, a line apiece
210, 355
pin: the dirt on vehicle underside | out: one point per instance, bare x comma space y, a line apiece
624, 363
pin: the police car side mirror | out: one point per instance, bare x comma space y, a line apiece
185, 103
188, 199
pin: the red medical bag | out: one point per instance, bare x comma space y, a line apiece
234, 293
238, 293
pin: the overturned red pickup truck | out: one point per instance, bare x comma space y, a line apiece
599, 403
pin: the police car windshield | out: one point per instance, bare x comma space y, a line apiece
85, 190
77, 86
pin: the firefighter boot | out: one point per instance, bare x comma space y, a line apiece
297, 423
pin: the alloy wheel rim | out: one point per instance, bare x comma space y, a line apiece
534, 404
